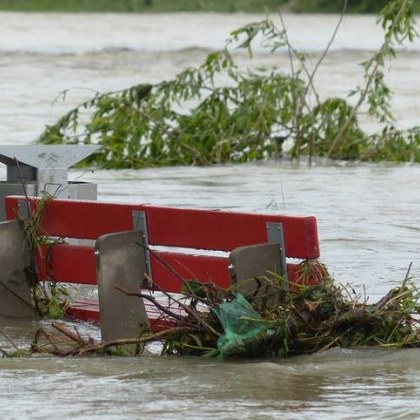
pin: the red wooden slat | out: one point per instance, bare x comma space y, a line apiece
190, 228
85, 310
76, 264
227, 230
203, 268
88, 310
67, 264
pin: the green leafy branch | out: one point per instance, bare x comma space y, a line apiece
217, 112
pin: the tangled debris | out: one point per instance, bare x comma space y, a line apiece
282, 321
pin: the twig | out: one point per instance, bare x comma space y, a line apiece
321, 59
139, 340
407, 275
363, 93
186, 308
69, 334
387, 299
4, 352
334, 341
173, 271
166, 265
22, 180
310, 75
9, 340
154, 301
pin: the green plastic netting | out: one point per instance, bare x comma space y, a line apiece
245, 330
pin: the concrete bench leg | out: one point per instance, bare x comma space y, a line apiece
249, 263
15, 293
120, 263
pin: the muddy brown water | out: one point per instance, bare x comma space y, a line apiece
368, 218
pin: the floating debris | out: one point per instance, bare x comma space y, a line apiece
286, 320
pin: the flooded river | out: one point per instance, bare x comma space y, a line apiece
368, 218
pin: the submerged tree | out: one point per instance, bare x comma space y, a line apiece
217, 113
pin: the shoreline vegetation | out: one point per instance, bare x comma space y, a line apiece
218, 6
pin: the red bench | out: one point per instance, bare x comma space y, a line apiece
187, 243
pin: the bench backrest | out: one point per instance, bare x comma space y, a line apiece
189, 229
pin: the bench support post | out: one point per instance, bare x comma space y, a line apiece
120, 270
15, 295
275, 236
140, 225
249, 263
